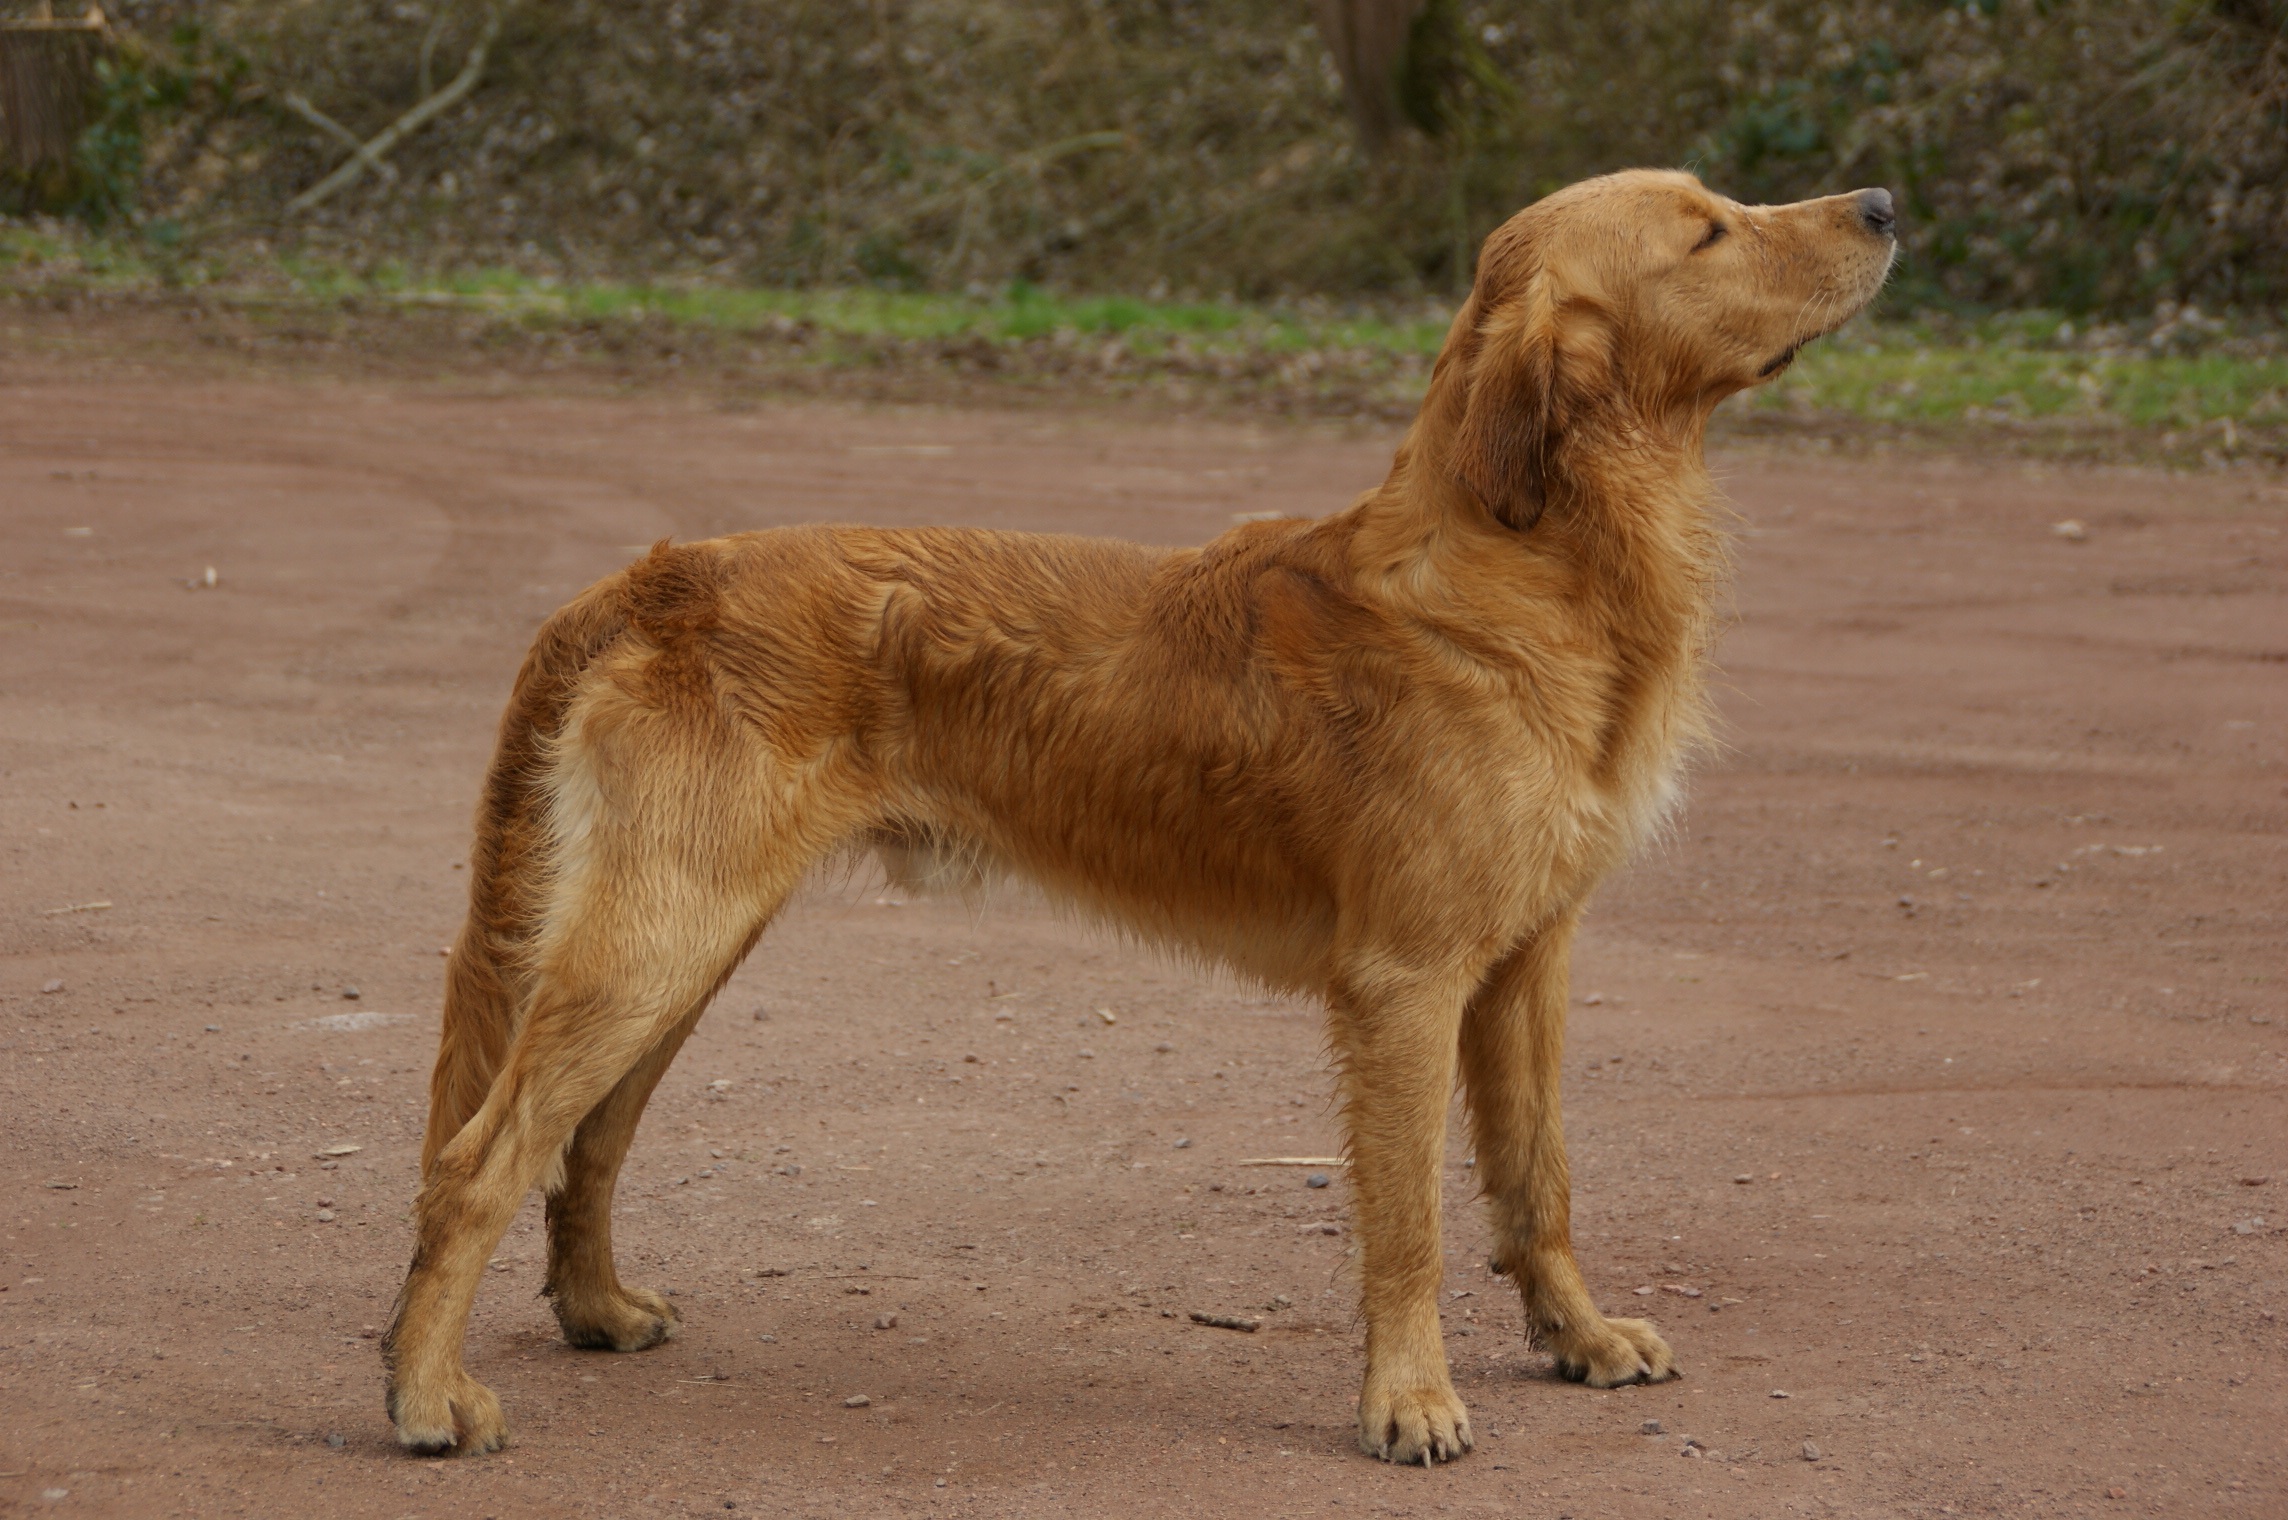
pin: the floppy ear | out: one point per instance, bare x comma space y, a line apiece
1511, 420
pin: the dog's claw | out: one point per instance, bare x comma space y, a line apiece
1614, 1353
1424, 1424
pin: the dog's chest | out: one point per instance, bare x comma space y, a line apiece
1592, 789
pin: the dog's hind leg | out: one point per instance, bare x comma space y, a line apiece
1513, 1042
610, 1000
671, 850
1395, 1037
596, 1310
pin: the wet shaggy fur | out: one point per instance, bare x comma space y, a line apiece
1381, 757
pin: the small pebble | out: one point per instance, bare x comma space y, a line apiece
351, 994
2073, 530
214, 1029
334, 1439
1316, 1179
856, 1401
52, 984
1163, 1047
325, 1203
768, 1340
885, 1322
325, 1216
1744, 1178
1810, 1451
1649, 1428
1183, 1145
1779, 1393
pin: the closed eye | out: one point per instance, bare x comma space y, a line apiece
1716, 231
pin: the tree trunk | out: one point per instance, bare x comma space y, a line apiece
1368, 40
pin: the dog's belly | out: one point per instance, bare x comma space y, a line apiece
1209, 859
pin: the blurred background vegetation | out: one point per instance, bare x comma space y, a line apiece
2077, 155
2080, 181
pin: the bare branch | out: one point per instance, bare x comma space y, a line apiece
326, 124
429, 38
370, 153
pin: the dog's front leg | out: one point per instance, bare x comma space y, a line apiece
1397, 1048
1513, 1042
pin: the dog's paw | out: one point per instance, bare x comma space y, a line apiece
1421, 1424
1612, 1352
626, 1319
457, 1414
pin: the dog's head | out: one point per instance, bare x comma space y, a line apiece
1637, 302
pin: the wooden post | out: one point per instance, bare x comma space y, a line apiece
47, 81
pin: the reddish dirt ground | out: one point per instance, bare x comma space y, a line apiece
1927, 1086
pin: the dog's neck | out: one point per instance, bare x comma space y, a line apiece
1626, 560
1628, 529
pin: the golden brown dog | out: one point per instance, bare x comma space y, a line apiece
1382, 757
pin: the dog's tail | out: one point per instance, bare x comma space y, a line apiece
485, 972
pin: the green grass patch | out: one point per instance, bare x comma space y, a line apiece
2036, 367
1020, 314
2177, 373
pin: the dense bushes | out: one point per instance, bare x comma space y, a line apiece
2064, 153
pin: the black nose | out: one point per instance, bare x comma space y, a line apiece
1875, 210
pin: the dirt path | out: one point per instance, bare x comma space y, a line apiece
1968, 959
